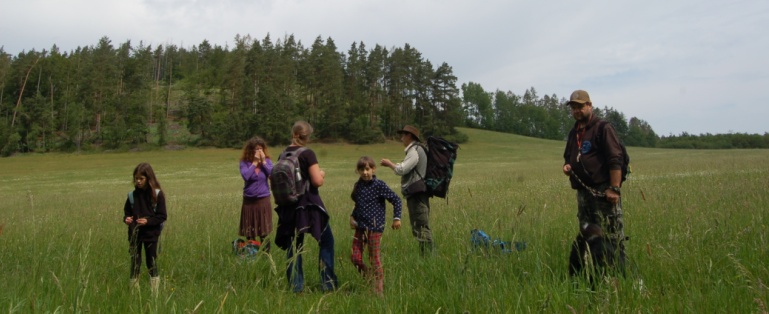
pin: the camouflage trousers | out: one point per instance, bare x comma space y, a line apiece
419, 215
598, 210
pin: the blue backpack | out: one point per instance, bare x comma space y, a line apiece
479, 239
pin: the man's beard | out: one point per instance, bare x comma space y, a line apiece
584, 119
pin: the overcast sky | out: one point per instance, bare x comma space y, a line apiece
683, 66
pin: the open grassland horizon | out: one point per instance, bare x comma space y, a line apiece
697, 220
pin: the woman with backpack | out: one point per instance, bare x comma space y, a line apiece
302, 210
256, 211
145, 212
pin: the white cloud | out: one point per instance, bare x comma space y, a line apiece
680, 65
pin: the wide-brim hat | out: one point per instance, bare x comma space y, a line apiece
411, 130
579, 96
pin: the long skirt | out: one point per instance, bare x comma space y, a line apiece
255, 217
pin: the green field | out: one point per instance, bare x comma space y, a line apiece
697, 221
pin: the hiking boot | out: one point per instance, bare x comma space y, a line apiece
621, 259
134, 284
426, 249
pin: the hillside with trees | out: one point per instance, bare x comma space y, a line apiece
542, 117
122, 96
112, 97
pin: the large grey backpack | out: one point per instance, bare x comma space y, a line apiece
287, 184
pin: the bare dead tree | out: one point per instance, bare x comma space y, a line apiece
21, 93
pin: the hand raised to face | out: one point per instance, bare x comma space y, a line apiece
259, 155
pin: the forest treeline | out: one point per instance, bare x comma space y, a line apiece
120, 96
715, 141
115, 96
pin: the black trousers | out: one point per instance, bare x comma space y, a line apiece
151, 254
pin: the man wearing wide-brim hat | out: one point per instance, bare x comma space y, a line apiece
412, 171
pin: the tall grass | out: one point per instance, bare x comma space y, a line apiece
697, 222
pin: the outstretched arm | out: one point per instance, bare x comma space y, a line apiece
393, 198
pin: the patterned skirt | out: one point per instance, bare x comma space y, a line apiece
255, 217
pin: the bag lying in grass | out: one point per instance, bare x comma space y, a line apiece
479, 239
245, 248
503, 246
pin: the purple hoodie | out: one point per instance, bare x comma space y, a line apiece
255, 183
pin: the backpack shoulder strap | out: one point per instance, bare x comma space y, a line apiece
296, 153
305, 181
157, 194
601, 125
131, 199
425, 150
299, 151
601, 129
424, 147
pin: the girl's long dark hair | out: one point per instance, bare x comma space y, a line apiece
144, 169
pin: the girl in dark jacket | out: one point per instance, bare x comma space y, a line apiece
144, 213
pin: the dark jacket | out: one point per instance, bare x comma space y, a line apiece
143, 208
600, 152
370, 207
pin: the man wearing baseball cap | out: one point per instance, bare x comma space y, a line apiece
593, 160
412, 171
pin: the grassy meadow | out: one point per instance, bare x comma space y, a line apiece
697, 220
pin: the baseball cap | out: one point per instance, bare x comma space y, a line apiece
579, 96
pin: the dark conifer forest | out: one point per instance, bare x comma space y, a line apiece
117, 96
